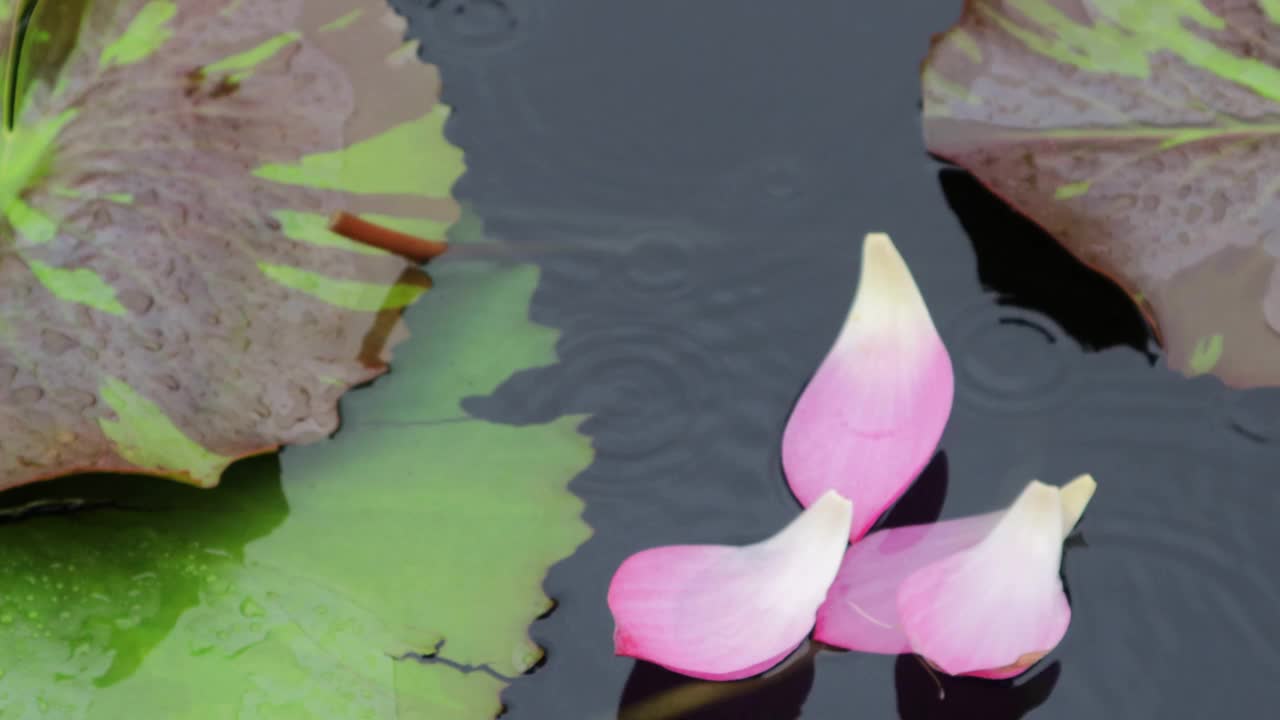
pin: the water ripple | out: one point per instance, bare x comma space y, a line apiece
472, 27
1168, 587
783, 183
656, 265
1010, 360
649, 386
1254, 414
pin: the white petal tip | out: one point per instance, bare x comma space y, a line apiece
881, 260
887, 297
833, 510
833, 498
1039, 498
1075, 498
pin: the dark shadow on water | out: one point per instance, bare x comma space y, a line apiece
247, 504
922, 502
1029, 269
969, 698
1074, 540
654, 693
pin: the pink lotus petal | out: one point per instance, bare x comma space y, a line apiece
720, 612
871, 417
995, 609
861, 610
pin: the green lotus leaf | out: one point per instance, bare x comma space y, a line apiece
171, 300
307, 583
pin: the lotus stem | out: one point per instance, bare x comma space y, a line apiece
410, 246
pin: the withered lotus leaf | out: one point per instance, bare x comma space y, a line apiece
1142, 135
171, 296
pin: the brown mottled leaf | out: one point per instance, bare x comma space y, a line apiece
170, 296
1143, 135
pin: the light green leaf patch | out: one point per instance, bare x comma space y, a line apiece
1206, 355
148, 31
350, 294
80, 286
23, 160
240, 65
342, 22
145, 436
362, 167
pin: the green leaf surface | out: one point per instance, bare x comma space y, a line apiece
297, 588
171, 299
1143, 135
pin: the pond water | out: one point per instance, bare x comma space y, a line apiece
695, 180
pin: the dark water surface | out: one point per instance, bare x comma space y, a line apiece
695, 178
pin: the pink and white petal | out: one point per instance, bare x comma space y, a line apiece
861, 609
719, 612
871, 417
995, 609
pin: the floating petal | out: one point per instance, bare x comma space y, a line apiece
720, 612
871, 417
997, 608
862, 611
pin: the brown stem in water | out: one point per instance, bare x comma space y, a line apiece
410, 246
698, 695
929, 668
